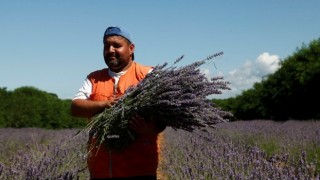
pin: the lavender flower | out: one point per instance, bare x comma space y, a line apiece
170, 95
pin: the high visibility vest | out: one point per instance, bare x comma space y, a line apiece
141, 157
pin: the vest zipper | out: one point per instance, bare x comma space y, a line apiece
115, 89
110, 153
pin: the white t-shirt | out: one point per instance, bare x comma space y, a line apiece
86, 89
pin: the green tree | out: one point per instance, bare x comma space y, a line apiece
289, 93
31, 107
293, 90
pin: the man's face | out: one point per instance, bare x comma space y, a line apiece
117, 53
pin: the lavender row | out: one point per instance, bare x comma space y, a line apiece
239, 150
33, 153
236, 150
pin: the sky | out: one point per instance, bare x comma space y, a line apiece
54, 45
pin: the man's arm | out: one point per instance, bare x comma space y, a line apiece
87, 108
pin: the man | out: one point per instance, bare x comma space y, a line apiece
100, 90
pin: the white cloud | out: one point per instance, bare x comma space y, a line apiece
244, 77
266, 63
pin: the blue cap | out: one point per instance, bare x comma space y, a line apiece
113, 30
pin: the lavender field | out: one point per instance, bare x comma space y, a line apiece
237, 150
32, 153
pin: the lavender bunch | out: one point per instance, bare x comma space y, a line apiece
174, 96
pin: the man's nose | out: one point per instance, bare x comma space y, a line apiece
112, 49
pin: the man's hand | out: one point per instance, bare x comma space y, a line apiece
87, 108
141, 126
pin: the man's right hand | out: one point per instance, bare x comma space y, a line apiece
87, 108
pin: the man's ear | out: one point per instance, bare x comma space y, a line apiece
131, 47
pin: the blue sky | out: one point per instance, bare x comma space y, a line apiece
53, 45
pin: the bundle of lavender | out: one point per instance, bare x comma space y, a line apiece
174, 96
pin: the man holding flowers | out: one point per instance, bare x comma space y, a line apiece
101, 89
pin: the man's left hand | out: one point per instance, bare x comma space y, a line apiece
141, 126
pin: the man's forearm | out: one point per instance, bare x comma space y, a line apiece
87, 108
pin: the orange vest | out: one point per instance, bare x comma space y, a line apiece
141, 157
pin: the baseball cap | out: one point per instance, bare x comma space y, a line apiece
115, 30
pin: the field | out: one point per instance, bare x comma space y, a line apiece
257, 149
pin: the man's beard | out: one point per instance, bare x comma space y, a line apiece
112, 61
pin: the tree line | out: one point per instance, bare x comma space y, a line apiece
30, 107
292, 92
